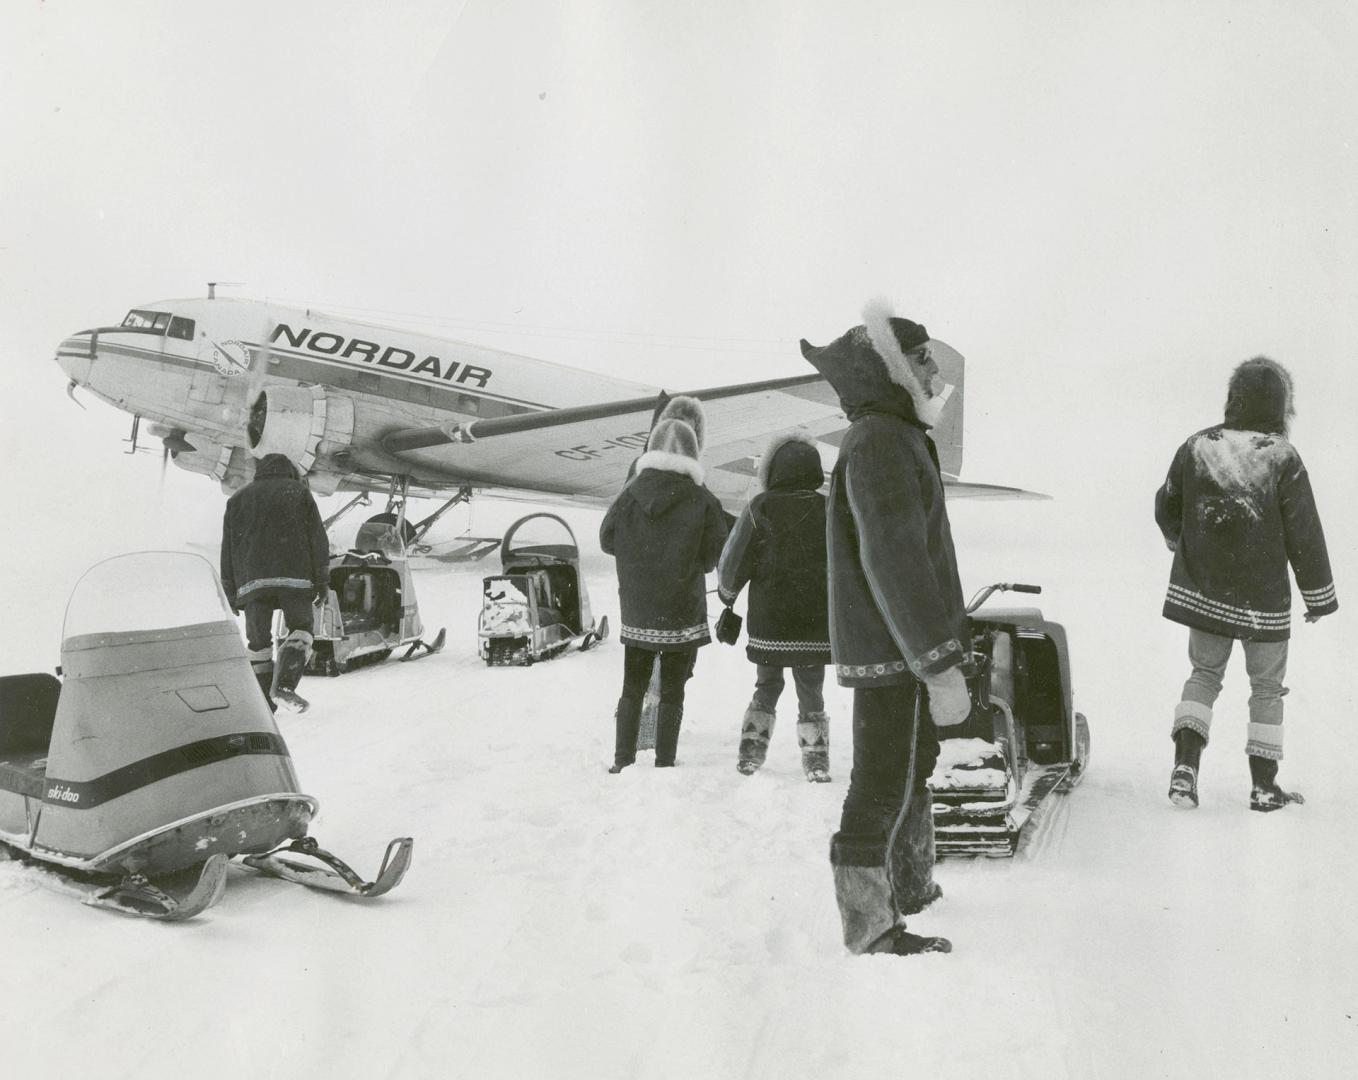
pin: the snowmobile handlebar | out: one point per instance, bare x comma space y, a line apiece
984, 594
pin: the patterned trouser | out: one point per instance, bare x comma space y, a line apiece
1266, 666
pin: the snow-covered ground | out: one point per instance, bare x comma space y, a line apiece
561, 922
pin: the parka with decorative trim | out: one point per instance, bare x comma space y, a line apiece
666, 532
777, 546
896, 606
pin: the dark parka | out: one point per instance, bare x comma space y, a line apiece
272, 534
896, 607
778, 547
1237, 507
666, 532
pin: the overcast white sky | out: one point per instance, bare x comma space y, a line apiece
1104, 205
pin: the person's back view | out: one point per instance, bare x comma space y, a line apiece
666, 531
1236, 509
778, 547
275, 557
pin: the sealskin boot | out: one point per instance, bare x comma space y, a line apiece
910, 855
1183, 781
813, 737
1265, 794
868, 907
756, 729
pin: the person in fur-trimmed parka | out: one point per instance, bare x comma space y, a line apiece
897, 624
778, 546
666, 530
275, 556
1236, 508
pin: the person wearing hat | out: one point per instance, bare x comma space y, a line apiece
1236, 508
275, 557
666, 530
778, 547
897, 624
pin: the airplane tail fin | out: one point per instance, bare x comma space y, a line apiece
947, 434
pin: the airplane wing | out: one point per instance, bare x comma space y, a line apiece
584, 453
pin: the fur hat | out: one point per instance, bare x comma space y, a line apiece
690, 411
1259, 397
875, 363
791, 462
673, 447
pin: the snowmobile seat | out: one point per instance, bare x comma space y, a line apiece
28, 707
1041, 703
369, 597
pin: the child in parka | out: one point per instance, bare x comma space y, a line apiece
778, 547
1236, 508
666, 531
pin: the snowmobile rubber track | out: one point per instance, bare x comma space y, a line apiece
334, 875
970, 831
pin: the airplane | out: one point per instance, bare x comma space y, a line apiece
360, 406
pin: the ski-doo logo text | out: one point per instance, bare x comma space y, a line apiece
389, 356
59, 793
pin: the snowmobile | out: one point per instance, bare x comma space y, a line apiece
1023, 743
371, 608
154, 760
538, 606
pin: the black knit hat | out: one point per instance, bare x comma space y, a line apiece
910, 335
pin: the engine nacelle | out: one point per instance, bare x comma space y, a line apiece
303, 422
232, 467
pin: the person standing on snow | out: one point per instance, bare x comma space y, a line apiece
1236, 508
275, 557
897, 624
778, 547
665, 529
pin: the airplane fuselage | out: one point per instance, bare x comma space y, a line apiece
227, 380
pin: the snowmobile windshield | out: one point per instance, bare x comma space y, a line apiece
379, 536
147, 590
540, 539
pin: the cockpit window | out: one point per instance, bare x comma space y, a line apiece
158, 321
140, 320
181, 328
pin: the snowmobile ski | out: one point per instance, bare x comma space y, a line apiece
420, 649
334, 875
172, 898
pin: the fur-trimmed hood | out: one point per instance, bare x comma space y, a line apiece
791, 461
690, 411
869, 368
1259, 397
665, 461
